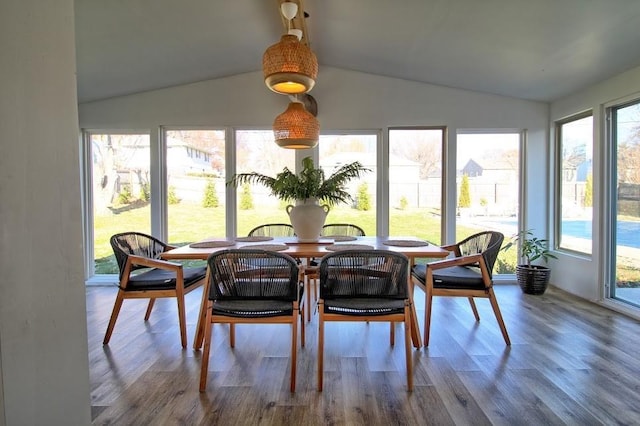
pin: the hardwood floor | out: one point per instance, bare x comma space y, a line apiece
571, 362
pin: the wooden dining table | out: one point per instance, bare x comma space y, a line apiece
411, 247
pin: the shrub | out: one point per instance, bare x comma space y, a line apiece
588, 191
210, 195
172, 198
125, 196
246, 199
363, 201
404, 203
145, 191
465, 197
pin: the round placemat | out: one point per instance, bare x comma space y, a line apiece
254, 238
338, 247
267, 247
406, 243
340, 237
212, 244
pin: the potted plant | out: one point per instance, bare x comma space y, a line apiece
532, 278
308, 189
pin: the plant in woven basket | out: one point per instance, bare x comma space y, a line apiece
532, 278
308, 184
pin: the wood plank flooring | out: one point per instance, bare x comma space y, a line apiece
571, 362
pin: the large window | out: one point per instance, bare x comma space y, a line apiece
487, 178
195, 184
118, 182
575, 183
415, 182
256, 151
339, 149
624, 281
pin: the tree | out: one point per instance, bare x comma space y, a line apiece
588, 191
465, 196
363, 201
246, 199
210, 195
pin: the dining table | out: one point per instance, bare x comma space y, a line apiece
412, 247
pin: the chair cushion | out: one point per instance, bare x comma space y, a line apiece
362, 307
462, 277
160, 279
252, 308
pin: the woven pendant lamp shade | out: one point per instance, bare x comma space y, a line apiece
296, 128
289, 66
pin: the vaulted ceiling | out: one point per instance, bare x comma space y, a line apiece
530, 49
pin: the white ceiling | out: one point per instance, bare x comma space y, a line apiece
530, 49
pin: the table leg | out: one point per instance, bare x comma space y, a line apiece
204, 304
415, 328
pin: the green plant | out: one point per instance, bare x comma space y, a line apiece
588, 191
246, 200
404, 203
309, 183
145, 191
172, 197
125, 196
531, 247
363, 201
465, 196
210, 195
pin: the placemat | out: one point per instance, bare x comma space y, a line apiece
406, 243
212, 244
340, 237
267, 247
254, 238
338, 247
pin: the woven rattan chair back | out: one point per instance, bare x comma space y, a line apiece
487, 243
272, 230
347, 229
137, 244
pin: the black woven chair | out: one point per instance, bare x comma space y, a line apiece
135, 251
252, 286
272, 230
311, 271
468, 274
369, 285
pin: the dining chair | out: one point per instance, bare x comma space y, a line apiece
251, 286
365, 285
272, 230
469, 273
311, 270
144, 275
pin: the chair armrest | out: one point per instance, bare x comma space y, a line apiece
154, 263
457, 261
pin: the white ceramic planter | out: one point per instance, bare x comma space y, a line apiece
307, 218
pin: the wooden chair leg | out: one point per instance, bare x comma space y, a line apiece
392, 333
294, 347
308, 291
182, 320
204, 362
474, 309
496, 311
320, 345
428, 301
149, 308
302, 327
407, 347
114, 316
232, 335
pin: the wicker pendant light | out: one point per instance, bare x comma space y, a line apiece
296, 128
289, 66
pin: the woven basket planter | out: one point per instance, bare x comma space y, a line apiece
533, 279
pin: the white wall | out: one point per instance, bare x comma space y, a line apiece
346, 100
43, 336
580, 275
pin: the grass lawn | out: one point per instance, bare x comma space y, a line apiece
190, 222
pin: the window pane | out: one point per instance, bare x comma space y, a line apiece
196, 184
487, 188
627, 206
338, 150
121, 192
576, 184
415, 183
256, 151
